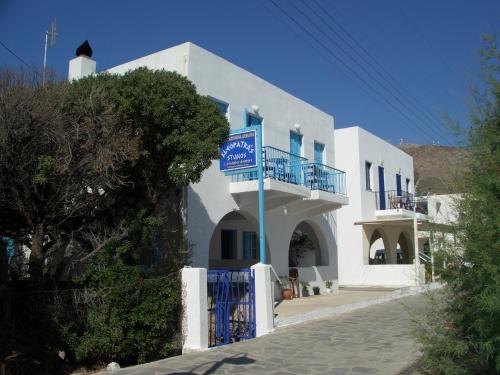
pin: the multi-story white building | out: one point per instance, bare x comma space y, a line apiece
376, 230
302, 189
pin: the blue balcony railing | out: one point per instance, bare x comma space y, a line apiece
322, 177
283, 166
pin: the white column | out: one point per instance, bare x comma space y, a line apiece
195, 314
264, 305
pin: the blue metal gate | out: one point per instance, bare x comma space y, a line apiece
231, 306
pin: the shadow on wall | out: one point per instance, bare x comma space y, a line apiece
204, 235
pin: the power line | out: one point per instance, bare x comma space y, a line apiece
382, 71
17, 57
401, 48
376, 93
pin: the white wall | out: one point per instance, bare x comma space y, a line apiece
210, 200
353, 147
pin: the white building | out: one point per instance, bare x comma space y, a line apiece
376, 230
302, 189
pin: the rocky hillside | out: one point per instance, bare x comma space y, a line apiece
438, 169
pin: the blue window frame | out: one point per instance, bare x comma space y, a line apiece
368, 175
228, 243
399, 191
249, 245
381, 187
295, 143
252, 120
319, 149
221, 106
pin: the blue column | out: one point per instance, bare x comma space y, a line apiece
260, 172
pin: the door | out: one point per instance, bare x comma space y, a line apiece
295, 158
381, 188
319, 149
398, 185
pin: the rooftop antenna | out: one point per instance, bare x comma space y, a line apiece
53, 34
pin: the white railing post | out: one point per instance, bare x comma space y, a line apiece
195, 313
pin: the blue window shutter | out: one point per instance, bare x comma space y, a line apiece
381, 187
249, 245
318, 152
398, 185
295, 144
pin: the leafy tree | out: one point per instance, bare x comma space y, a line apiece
461, 333
58, 159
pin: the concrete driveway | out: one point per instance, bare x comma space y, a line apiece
373, 340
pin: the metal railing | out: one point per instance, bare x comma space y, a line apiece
278, 165
322, 177
393, 199
283, 166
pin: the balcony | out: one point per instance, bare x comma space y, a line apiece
392, 204
293, 179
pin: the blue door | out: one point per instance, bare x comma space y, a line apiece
381, 188
319, 149
398, 185
295, 159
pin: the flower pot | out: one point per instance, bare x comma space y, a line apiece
286, 293
316, 291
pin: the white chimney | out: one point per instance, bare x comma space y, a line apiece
80, 67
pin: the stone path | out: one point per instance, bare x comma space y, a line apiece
373, 340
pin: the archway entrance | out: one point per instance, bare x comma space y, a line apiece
377, 253
305, 248
234, 243
404, 250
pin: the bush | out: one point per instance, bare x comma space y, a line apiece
461, 332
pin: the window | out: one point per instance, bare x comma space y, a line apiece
319, 149
221, 106
249, 245
368, 172
252, 120
228, 244
407, 185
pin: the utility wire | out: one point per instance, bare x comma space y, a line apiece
17, 57
445, 63
403, 50
352, 71
381, 70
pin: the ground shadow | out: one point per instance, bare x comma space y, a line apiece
237, 359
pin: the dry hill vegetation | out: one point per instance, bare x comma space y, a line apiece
438, 169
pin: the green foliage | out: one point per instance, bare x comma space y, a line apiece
180, 130
130, 315
46, 166
462, 335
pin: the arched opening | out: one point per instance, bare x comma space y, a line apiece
404, 249
306, 248
235, 243
377, 249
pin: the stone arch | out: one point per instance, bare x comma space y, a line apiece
404, 249
313, 250
232, 250
378, 246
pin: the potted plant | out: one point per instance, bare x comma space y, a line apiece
286, 288
316, 290
328, 285
305, 288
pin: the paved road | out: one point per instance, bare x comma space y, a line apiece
373, 340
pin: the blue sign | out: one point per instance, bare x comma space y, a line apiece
239, 151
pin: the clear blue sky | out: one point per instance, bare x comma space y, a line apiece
419, 56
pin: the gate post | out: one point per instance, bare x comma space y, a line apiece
264, 309
195, 312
